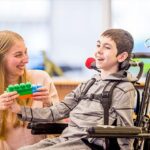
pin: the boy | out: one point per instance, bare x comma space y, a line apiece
113, 50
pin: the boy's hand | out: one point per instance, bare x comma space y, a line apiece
7, 99
41, 95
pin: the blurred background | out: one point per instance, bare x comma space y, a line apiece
61, 34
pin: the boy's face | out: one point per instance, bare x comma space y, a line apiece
106, 54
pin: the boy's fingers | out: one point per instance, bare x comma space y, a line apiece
40, 97
41, 93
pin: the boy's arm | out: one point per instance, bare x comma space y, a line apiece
49, 114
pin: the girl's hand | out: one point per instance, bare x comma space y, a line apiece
15, 107
41, 95
7, 99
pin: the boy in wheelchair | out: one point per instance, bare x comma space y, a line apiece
84, 107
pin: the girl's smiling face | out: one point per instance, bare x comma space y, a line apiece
15, 59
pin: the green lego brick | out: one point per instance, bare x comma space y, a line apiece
10, 88
22, 88
25, 92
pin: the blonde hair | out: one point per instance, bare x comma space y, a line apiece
7, 40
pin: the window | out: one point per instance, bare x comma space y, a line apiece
31, 19
133, 15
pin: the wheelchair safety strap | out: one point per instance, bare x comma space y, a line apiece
106, 99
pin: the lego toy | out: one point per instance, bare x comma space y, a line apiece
25, 90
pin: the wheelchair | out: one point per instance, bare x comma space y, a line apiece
140, 132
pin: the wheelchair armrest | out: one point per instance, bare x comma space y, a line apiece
119, 132
46, 128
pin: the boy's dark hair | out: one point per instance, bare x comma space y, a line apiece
123, 39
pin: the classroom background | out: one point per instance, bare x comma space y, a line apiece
61, 34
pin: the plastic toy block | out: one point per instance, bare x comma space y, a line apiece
25, 90
35, 88
25, 96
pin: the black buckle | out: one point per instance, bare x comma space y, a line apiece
105, 94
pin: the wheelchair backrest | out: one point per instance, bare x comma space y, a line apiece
143, 115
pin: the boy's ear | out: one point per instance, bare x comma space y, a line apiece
123, 56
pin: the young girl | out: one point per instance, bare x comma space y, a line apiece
13, 59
